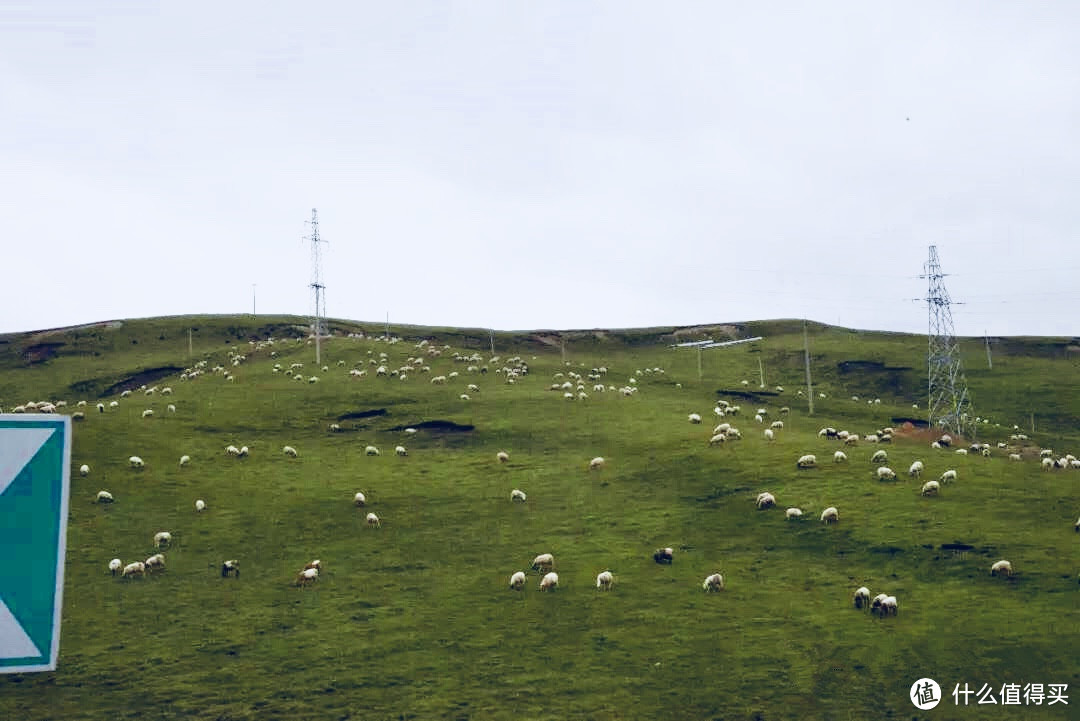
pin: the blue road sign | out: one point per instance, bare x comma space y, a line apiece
35, 464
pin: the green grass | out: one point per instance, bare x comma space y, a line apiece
414, 620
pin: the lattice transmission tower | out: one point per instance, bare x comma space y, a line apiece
948, 404
318, 321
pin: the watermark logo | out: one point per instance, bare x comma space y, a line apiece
925, 694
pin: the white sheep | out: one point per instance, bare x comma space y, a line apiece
307, 576
400, 450
373, 521
136, 462
155, 561
148, 413
777, 425
162, 539
1047, 464
134, 569
862, 597
1002, 567
830, 515
104, 497
888, 606
101, 407
543, 562
931, 488
694, 418
84, 470
359, 499
961, 451
718, 439
516, 495
839, 457
875, 604
243, 452
371, 451
502, 457
948, 476
765, 500
884, 473
713, 582
549, 582
604, 580
290, 451
185, 459
916, 469
1015, 457
769, 434
171, 408
200, 505
230, 567
807, 461
664, 555
115, 565
596, 464
793, 514
879, 457
517, 580
232, 450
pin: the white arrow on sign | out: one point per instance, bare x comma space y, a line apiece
16, 450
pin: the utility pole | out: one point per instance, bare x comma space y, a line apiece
318, 325
989, 360
761, 371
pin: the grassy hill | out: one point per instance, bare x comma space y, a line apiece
414, 620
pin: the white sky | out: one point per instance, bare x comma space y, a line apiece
542, 165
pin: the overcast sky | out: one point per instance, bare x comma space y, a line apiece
525, 165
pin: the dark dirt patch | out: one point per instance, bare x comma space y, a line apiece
102, 387
855, 366
747, 395
353, 415
916, 422
437, 426
956, 547
41, 352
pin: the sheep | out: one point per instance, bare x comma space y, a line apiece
307, 576
875, 604
948, 476
1047, 464
714, 582
316, 564
517, 580
717, 439
115, 565
114, 404
1077, 526
851, 439
879, 457
136, 462
516, 495
931, 488
807, 461
243, 452
373, 521
543, 562
148, 413
232, 451
884, 473
769, 434
862, 597
155, 561
830, 515
290, 451
961, 451
84, 470
101, 407
334, 428
888, 606
664, 555
134, 569
1002, 567
400, 450
502, 457
359, 499
916, 469
371, 451
104, 497
945, 440
765, 500
230, 567
777, 425
604, 580
549, 582
839, 457
694, 418
200, 505
162, 539
1015, 457
793, 514
596, 464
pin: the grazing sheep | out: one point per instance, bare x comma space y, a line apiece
604, 580
765, 500
115, 565
1002, 567
694, 418
101, 407
232, 450
1077, 526
793, 514
862, 597
884, 473
916, 469
875, 605
373, 521
155, 561
777, 425
134, 569
371, 451
879, 457
243, 452
714, 582
1015, 457
945, 440
961, 451
307, 576
549, 582
888, 606
830, 515
359, 499
1047, 464
400, 450
200, 505
230, 567
162, 539
334, 428
769, 434
516, 495
502, 457
290, 451
148, 413
807, 461
136, 462
170, 408
948, 476
543, 562
84, 470
104, 497
517, 580
931, 488
839, 457
717, 439
596, 464
664, 555
314, 564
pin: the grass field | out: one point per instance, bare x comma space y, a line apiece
414, 620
